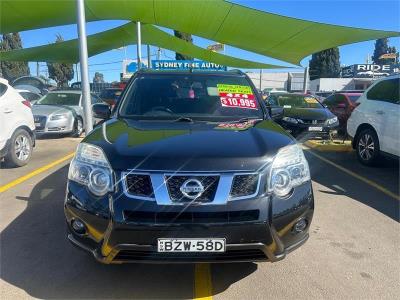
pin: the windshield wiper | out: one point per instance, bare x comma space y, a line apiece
184, 119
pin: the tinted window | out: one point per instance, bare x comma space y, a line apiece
272, 100
69, 99
330, 100
386, 90
95, 99
354, 98
192, 95
3, 89
29, 96
298, 101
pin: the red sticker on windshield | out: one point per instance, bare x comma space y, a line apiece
238, 100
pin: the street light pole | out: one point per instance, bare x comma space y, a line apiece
139, 46
148, 57
83, 55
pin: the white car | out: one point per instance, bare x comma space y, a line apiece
17, 134
374, 124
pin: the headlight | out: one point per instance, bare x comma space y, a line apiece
288, 170
331, 121
91, 168
58, 117
290, 120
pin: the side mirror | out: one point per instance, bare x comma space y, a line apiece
101, 111
276, 113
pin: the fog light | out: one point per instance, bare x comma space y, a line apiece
300, 226
78, 226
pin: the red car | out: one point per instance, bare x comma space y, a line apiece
342, 105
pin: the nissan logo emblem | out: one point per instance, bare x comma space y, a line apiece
192, 188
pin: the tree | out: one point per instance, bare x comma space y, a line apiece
98, 77
325, 64
60, 72
11, 70
186, 37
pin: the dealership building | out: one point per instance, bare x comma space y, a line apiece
354, 77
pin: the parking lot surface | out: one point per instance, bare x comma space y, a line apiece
352, 251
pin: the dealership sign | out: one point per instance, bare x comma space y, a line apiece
186, 65
367, 70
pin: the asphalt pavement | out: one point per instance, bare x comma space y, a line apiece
353, 250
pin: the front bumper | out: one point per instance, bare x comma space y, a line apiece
46, 126
303, 131
112, 238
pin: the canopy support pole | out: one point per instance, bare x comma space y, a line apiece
139, 46
83, 56
148, 57
305, 81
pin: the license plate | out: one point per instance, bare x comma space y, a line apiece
191, 245
37, 124
314, 128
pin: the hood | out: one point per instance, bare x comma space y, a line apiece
308, 113
46, 110
199, 146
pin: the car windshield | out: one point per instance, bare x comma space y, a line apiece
69, 99
298, 101
196, 96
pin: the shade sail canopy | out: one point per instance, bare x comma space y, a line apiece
121, 36
280, 37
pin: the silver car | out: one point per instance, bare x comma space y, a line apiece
61, 112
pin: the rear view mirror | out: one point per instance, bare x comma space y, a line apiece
101, 111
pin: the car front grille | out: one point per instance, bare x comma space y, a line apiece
244, 185
313, 122
174, 184
230, 255
139, 185
184, 217
41, 120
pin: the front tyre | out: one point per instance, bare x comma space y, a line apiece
20, 151
367, 147
78, 127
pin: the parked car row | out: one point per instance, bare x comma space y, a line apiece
25, 114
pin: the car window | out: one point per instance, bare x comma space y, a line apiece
354, 98
3, 89
30, 96
339, 98
329, 101
69, 99
205, 97
272, 100
385, 90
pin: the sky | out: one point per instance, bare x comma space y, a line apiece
371, 14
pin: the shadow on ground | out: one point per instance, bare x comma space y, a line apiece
36, 257
386, 175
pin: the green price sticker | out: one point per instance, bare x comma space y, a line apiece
234, 89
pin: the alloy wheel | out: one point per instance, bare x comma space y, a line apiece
366, 147
22, 148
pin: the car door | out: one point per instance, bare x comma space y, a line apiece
340, 108
5, 111
383, 114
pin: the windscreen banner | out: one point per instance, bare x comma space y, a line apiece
186, 65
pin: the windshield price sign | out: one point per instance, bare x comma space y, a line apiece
239, 96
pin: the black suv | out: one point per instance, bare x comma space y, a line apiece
189, 167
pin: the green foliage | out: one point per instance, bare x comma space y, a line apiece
60, 72
186, 37
11, 70
325, 64
382, 47
98, 77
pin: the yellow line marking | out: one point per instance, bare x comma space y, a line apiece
21, 179
202, 282
359, 177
